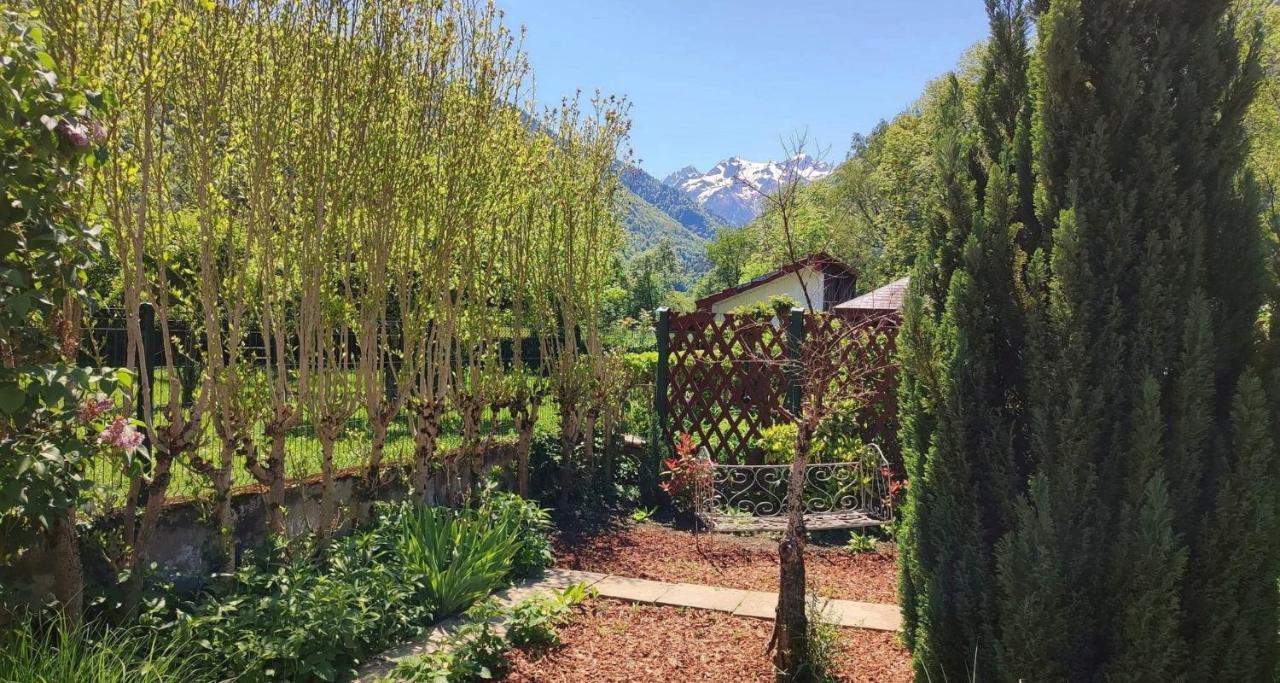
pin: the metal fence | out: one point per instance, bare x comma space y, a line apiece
105, 344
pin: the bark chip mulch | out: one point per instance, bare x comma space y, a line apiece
611, 641
660, 553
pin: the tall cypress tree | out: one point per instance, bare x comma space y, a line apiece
1093, 353
963, 407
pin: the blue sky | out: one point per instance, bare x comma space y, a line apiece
709, 79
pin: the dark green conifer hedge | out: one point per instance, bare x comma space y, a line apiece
1088, 413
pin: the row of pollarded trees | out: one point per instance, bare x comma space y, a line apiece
359, 184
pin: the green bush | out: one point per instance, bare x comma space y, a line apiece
58, 653
536, 621
457, 556
476, 650
286, 616
532, 526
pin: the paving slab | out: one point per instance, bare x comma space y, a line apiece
758, 605
632, 590
871, 615
703, 597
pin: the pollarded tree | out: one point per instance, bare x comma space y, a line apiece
133, 51
580, 234
209, 142
272, 222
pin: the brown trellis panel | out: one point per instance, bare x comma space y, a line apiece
726, 377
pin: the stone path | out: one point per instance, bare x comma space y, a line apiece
743, 603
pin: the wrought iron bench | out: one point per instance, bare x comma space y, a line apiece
837, 495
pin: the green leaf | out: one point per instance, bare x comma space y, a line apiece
12, 398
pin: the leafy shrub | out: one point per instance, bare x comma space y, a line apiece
285, 616
777, 306
458, 556
860, 543
60, 653
532, 526
590, 494
684, 472
837, 439
476, 650
537, 620
777, 443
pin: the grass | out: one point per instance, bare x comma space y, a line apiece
65, 654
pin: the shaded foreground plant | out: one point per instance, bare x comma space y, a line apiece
62, 652
476, 651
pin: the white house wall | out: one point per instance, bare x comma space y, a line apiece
787, 285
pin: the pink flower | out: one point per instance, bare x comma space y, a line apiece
122, 435
94, 407
97, 132
74, 133
130, 440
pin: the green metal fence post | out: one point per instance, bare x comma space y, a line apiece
795, 340
661, 404
150, 342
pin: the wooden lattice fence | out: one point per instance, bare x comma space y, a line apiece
726, 378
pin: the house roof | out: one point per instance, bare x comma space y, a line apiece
820, 261
886, 298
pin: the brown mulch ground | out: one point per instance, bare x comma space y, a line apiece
614, 641
653, 551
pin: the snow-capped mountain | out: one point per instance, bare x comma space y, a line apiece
731, 189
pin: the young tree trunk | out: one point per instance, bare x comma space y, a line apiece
568, 441
220, 476
276, 486
272, 477
68, 574
589, 447
791, 625
157, 491
328, 503
610, 449
424, 449
222, 494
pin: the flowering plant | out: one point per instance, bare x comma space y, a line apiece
684, 472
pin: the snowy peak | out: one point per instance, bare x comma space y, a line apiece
675, 179
731, 189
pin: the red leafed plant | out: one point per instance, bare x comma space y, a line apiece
684, 471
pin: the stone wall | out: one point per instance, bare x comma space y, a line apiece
185, 541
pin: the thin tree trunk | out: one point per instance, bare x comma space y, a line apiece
568, 441
276, 487
222, 494
157, 492
68, 573
328, 503
589, 447
791, 625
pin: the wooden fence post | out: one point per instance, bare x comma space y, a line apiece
795, 342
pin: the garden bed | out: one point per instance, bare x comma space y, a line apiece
653, 551
609, 640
